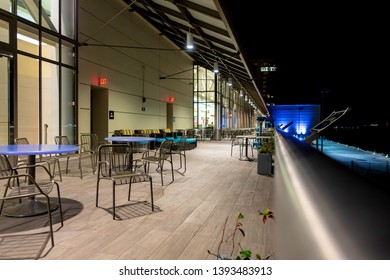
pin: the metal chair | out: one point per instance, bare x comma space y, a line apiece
90, 144
158, 157
15, 190
22, 160
82, 153
115, 164
237, 142
180, 149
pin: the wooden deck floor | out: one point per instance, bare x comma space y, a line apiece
188, 221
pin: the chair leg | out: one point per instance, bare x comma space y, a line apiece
128, 195
185, 162
50, 220
113, 200
81, 169
60, 204
57, 161
97, 193
161, 172
151, 192
67, 165
172, 170
93, 164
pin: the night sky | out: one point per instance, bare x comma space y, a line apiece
321, 50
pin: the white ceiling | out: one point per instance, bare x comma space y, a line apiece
213, 38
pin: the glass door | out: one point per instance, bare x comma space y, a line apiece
4, 99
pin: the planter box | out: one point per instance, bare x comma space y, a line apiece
264, 164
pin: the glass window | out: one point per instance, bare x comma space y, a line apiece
68, 53
4, 31
27, 39
28, 9
28, 98
50, 14
68, 18
4, 93
68, 110
6, 5
50, 99
50, 47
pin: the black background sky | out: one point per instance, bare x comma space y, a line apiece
340, 49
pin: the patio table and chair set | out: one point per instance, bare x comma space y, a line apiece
119, 160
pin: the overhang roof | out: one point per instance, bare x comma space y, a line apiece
213, 37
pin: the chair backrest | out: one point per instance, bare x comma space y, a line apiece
237, 141
114, 159
61, 140
182, 143
5, 167
21, 140
89, 142
165, 149
24, 141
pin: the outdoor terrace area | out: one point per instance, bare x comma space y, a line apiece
188, 221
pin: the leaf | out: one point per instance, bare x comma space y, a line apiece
246, 254
242, 231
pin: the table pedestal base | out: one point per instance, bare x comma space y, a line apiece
245, 158
29, 207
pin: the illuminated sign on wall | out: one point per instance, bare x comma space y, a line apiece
170, 99
102, 81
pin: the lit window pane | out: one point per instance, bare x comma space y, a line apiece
4, 31
6, 5
50, 47
27, 39
50, 14
68, 18
28, 9
28, 98
68, 53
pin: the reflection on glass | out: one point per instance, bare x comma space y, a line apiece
68, 18
50, 99
50, 14
50, 47
68, 55
28, 98
28, 9
4, 31
27, 39
68, 124
6, 5
4, 91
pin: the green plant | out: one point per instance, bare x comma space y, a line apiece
243, 254
267, 146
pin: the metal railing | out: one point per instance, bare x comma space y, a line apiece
325, 211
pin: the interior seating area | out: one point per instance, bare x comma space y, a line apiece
161, 135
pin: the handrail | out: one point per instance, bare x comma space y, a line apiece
325, 211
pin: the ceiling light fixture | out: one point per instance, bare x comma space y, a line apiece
216, 68
190, 41
230, 82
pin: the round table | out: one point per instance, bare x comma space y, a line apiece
32, 206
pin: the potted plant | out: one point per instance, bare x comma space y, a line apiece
265, 156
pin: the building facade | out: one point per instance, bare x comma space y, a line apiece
70, 67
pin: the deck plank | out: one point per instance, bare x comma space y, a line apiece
189, 217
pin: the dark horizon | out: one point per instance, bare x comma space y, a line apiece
326, 55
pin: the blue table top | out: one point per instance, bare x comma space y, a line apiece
36, 149
129, 138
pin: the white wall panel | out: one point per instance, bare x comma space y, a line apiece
131, 73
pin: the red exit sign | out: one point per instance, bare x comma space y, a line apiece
171, 99
102, 81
